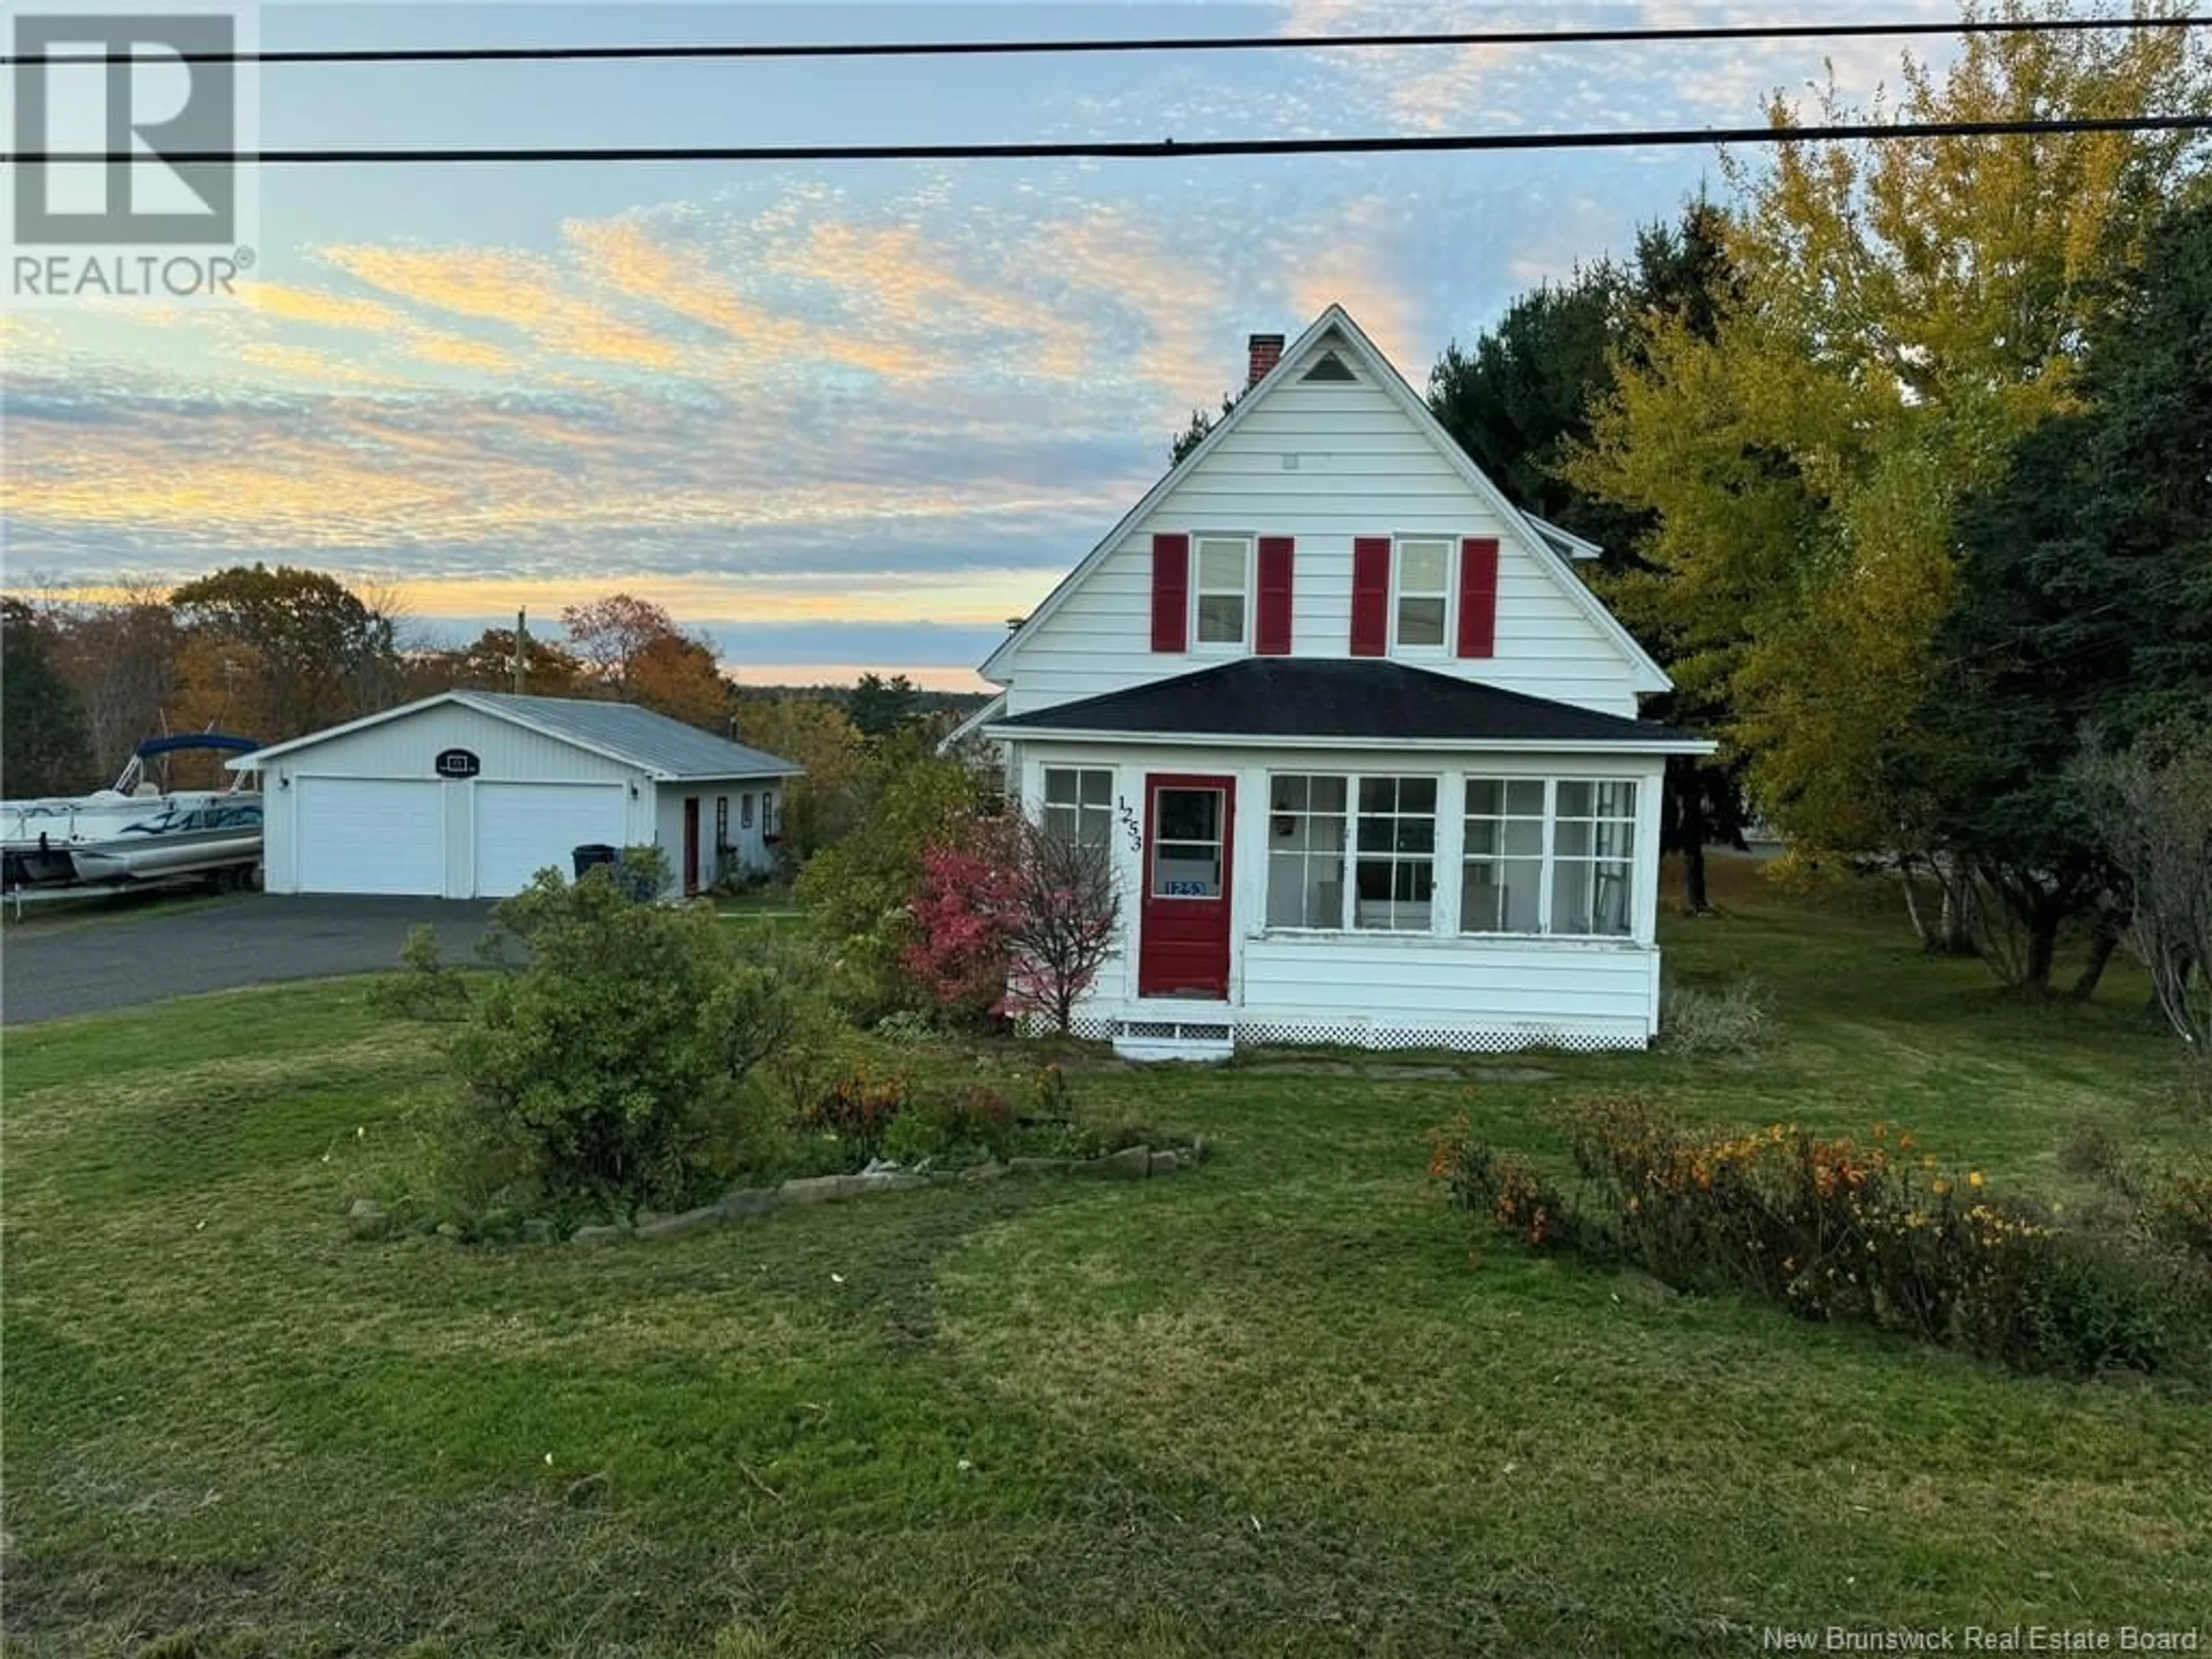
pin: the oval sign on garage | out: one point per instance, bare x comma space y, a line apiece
458, 764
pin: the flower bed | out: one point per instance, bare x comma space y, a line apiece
1872, 1232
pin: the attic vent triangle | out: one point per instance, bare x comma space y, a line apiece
1330, 367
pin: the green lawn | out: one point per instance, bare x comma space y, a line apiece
1278, 1405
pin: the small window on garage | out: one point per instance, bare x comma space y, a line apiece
721, 820
745, 810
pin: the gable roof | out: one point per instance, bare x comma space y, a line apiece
1333, 699
664, 749
1645, 674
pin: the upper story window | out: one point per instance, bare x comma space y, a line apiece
1422, 603
1220, 582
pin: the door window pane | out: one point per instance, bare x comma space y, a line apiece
1186, 853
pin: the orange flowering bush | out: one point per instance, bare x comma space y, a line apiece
1504, 1185
1834, 1229
859, 1107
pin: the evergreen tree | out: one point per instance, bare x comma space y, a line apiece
2084, 606
43, 749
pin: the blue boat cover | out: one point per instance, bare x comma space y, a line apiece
195, 740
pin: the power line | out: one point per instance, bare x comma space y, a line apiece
1142, 149
1522, 37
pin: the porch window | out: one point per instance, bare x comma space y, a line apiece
1352, 852
1592, 844
1305, 852
1217, 591
1502, 884
1549, 856
1423, 589
1079, 804
1396, 871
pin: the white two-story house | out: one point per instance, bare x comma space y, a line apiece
1364, 745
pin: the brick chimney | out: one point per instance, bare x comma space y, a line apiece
1266, 351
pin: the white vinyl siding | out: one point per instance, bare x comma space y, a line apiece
364, 811
1298, 971
1404, 986
1322, 463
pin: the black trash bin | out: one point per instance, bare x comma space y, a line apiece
592, 854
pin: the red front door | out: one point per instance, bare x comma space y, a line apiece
691, 845
1182, 947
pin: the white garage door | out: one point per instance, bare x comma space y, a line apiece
370, 835
523, 827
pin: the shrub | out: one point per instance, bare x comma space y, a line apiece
964, 1123
906, 1028
1730, 1021
859, 888
424, 987
616, 1055
1836, 1229
1013, 921
1518, 1201
2178, 1212
857, 1109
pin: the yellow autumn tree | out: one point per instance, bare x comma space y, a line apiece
815, 733
1902, 311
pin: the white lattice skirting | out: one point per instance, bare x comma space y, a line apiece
1356, 1034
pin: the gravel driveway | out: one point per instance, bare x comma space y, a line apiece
100, 959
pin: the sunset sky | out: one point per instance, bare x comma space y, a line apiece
840, 416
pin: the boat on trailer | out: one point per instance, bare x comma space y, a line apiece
134, 830
223, 838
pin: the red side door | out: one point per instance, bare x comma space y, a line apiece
691, 845
1182, 948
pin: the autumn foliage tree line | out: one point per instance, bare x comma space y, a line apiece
276, 652
1902, 455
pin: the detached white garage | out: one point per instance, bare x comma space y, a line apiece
468, 794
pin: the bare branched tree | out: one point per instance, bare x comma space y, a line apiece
1064, 921
2152, 803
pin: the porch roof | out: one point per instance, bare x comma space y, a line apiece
1336, 698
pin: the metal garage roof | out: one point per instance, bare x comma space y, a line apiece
667, 750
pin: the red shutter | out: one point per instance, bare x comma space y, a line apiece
1371, 596
1170, 593
1276, 554
1478, 596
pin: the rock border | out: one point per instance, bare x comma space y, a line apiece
367, 1219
